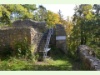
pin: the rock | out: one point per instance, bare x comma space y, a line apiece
90, 61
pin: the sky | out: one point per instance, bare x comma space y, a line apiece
66, 9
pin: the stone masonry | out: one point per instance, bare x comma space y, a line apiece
38, 26
61, 38
9, 36
35, 32
88, 57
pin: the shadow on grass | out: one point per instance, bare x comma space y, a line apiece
47, 68
58, 62
69, 63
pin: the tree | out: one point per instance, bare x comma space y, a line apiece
9, 12
83, 17
96, 22
30, 7
4, 15
52, 19
61, 17
20, 12
81, 32
69, 26
97, 8
40, 14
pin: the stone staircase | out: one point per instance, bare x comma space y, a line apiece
43, 47
42, 42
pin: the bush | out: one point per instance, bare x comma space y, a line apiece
22, 49
14, 64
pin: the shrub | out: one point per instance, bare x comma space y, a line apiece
22, 49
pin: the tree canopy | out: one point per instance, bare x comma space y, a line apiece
52, 18
15, 11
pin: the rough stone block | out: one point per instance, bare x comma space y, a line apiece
91, 62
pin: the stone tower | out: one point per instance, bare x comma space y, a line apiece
61, 38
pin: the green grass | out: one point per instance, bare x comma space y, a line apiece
58, 62
13, 64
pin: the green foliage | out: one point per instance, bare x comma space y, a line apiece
85, 29
69, 26
58, 61
22, 49
30, 7
40, 14
14, 64
52, 19
11, 12
4, 15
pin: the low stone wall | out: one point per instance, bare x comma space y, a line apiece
9, 36
87, 55
38, 26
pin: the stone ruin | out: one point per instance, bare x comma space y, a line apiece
87, 56
61, 38
58, 37
36, 34
38, 26
11, 36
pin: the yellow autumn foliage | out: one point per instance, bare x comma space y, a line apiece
52, 18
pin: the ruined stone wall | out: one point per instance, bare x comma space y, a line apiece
61, 38
59, 31
35, 40
9, 36
39, 26
34, 32
87, 56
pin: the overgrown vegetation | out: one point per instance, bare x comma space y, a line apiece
20, 49
23, 49
82, 29
57, 61
86, 28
